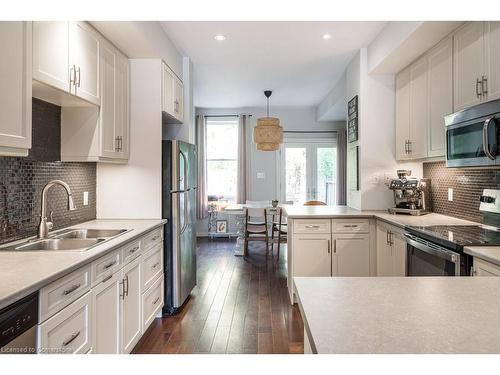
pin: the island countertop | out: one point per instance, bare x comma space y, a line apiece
22, 273
400, 314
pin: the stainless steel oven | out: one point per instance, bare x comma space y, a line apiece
425, 258
473, 136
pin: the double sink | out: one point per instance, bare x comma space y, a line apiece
69, 240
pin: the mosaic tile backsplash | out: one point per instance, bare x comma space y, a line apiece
467, 184
22, 181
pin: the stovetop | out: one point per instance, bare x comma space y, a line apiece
459, 235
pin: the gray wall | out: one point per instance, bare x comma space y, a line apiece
291, 118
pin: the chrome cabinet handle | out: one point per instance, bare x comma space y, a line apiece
484, 85
72, 75
478, 92
70, 339
156, 301
410, 148
155, 238
473, 271
387, 237
155, 265
312, 226
109, 265
122, 284
79, 76
328, 246
71, 290
116, 144
120, 143
390, 238
335, 246
486, 144
126, 290
107, 278
133, 250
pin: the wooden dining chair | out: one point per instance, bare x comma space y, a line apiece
255, 227
280, 226
314, 203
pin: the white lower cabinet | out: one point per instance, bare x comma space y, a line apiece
391, 250
106, 298
484, 268
351, 255
111, 316
130, 306
312, 255
69, 331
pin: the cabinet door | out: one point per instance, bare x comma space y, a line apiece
108, 110
130, 306
51, 53
402, 114
106, 298
312, 255
351, 255
440, 95
492, 51
468, 61
179, 100
384, 252
85, 44
168, 90
398, 254
122, 117
484, 268
15, 96
418, 109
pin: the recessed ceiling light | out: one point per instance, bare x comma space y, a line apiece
326, 36
219, 37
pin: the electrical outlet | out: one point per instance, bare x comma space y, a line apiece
85, 198
450, 194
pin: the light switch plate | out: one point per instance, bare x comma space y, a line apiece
450, 194
85, 198
261, 175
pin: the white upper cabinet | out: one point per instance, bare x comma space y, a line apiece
418, 110
423, 97
172, 95
492, 51
66, 56
440, 98
51, 53
84, 63
468, 46
15, 81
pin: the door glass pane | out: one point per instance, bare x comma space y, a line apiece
295, 174
326, 177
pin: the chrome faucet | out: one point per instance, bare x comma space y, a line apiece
45, 225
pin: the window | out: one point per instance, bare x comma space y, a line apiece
222, 157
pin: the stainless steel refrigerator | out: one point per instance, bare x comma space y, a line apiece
179, 164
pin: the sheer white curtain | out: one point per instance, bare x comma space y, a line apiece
341, 167
201, 143
241, 193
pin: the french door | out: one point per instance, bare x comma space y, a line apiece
308, 171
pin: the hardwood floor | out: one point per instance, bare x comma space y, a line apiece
240, 305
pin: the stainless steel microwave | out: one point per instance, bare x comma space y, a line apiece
473, 136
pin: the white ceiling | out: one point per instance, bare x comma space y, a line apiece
290, 58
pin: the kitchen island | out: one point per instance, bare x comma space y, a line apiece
400, 314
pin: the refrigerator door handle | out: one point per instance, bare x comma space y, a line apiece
185, 176
185, 224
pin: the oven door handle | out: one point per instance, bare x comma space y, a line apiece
433, 249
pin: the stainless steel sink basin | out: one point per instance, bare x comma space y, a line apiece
59, 244
90, 233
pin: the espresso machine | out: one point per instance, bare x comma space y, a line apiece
411, 195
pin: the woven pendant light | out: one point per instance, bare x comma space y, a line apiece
268, 134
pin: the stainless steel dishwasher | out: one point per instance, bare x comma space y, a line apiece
18, 326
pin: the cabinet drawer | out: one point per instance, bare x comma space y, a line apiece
152, 302
312, 226
55, 296
69, 330
131, 251
152, 266
485, 268
152, 238
351, 226
105, 266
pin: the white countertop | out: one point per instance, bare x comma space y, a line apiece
401, 220
401, 314
488, 253
22, 273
